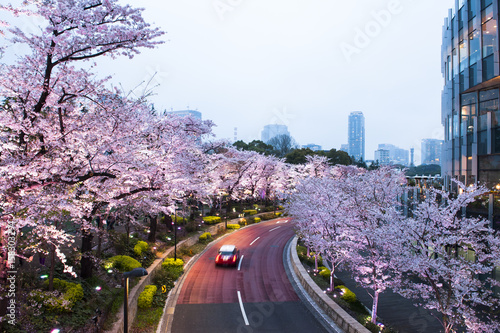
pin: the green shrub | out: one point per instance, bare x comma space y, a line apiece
140, 247
301, 250
122, 263
211, 219
278, 213
233, 226
347, 295
146, 297
374, 328
205, 237
249, 212
173, 267
65, 296
267, 216
178, 219
324, 273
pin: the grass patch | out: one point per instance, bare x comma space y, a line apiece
147, 320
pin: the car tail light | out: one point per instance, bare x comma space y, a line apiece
217, 259
234, 258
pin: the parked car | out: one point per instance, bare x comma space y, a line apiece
228, 255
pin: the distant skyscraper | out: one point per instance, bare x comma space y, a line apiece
431, 151
396, 155
356, 135
193, 113
382, 156
270, 131
344, 147
412, 159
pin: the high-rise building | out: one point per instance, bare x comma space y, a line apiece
412, 157
395, 155
470, 98
344, 147
356, 135
382, 156
431, 151
270, 131
193, 113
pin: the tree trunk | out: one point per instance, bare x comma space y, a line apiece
374, 307
332, 279
52, 266
152, 228
86, 261
99, 235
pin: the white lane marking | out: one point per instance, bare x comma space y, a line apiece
275, 228
254, 240
239, 265
243, 309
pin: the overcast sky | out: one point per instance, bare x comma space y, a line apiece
305, 64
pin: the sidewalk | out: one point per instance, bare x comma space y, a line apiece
395, 310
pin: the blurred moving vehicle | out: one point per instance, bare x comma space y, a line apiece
228, 255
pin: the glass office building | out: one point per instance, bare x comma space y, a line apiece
470, 99
356, 135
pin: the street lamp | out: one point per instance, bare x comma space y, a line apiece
136, 272
175, 232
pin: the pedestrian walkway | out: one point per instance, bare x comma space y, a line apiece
395, 310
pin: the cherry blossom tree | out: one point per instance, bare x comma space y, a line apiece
59, 124
372, 204
316, 205
445, 261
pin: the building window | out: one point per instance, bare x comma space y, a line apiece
488, 68
485, 3
473, 75
472, 5
450, 69
489, 27
495, 140
474, 47
488, 101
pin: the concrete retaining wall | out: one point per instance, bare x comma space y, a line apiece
332, 309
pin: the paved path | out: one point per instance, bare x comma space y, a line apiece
394, 309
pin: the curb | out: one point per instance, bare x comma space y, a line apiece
332, 309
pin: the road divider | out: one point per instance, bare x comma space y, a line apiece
239, 264
243, 309
256, 239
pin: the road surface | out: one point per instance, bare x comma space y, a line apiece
256, 296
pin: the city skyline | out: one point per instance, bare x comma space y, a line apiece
305, 65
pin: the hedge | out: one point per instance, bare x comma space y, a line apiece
257, 220
146, 297
178, 219
233, 226
248, 212
175, 267
205, 237
122, 263
140, 247
324, 273
71, 294
211, 219
347, 295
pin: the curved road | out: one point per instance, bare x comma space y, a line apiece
254, 297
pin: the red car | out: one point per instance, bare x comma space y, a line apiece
228, 256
